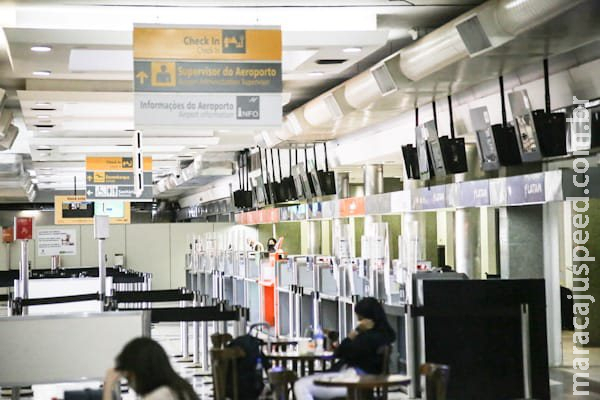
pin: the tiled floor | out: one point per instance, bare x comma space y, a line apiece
168, 335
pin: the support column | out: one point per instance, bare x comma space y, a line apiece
314, 237
342, 185
373, 182
552, 215
466, 224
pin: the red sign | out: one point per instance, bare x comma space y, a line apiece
352, 207
23, 228
7, 235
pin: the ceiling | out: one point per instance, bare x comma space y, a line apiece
85, 107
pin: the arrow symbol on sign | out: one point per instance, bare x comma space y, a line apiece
89, 192
142, 76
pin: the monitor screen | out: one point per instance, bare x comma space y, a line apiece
78, 209
112, 208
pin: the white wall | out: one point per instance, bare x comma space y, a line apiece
156, 248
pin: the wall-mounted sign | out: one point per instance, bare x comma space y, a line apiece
526, 189
77, 210
430, 198
207, 76
352, 207
23, 228
56, 242
112, 178
473, 193
8, 235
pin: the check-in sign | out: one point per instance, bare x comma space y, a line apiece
207, 76
111, 178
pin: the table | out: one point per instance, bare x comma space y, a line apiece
361, 387
306, 362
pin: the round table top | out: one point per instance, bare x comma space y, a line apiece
294, 355
363, 381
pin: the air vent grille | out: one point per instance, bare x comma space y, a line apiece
384, 79
334, 107
472, 34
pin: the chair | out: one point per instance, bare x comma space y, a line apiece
282, 383
436, 380
219, 340
223, 361
384, 351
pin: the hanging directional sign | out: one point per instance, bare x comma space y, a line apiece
207, 76
113, 178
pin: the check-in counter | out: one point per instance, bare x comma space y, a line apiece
253, 293
328, 292
286, 284
239, 279
228, 269
307, 312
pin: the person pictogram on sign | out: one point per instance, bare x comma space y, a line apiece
163, 76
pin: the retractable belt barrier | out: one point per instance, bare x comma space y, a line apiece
152, 296
61, 299
7, 278
19, 303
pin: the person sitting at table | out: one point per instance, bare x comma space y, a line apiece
145, 365
357, 354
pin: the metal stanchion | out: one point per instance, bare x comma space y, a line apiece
184, 337
196, 336
24, 274
411, 364
526, 350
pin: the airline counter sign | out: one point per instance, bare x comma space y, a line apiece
207, 76
111, 178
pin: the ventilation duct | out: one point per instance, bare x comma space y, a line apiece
9, 137
476, 32
15, 184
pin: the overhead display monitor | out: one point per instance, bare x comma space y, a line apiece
110, 208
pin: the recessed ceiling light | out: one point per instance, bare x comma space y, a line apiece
43, 117
41, 49
352, 50
41, 73
316, 73
44, 131
42, 104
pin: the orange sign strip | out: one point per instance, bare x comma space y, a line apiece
207, 44
352, 207
114, 164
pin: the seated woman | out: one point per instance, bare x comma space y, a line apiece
145, 365
358, 353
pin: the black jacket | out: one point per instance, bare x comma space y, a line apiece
362, 352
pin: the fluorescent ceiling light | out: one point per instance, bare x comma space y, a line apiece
98, 109
41, 49
91, 60
118, 149
44, 131
292, 59
41, 73
43, 117
352, 50
316, 73
42, 104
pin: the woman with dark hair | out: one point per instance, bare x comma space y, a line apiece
357, 354
145, 365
